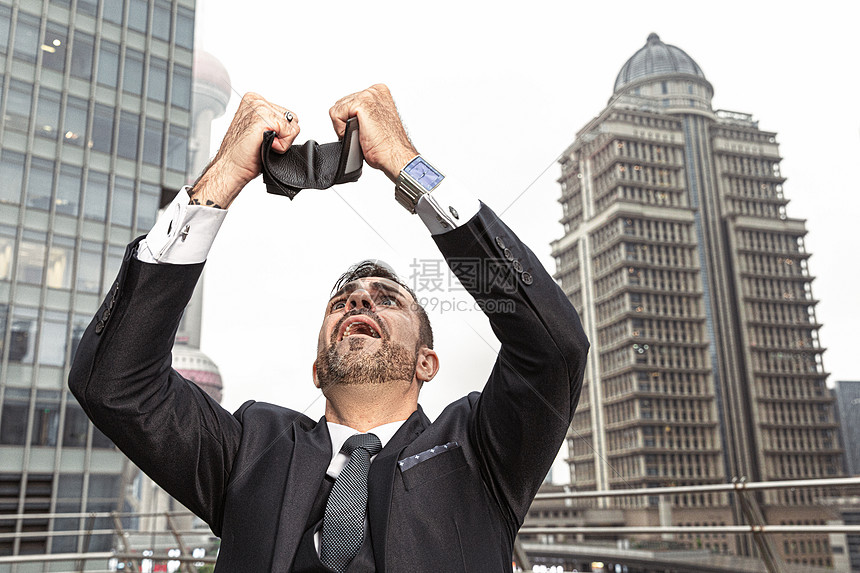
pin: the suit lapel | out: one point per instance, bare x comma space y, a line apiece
381, 482
308, 464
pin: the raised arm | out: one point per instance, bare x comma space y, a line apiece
122, 372
524, 411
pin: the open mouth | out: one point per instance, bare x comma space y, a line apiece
358, 325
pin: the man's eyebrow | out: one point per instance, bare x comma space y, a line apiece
384, 287
345, 289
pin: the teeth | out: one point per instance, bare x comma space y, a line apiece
372, 331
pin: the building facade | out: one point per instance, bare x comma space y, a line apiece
96, 106
695, 290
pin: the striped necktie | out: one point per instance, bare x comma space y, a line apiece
345, 511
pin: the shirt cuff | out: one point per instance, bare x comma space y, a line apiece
183, 233
446, 208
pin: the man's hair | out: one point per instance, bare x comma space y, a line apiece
377, 268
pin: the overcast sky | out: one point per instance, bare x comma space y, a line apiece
492, 93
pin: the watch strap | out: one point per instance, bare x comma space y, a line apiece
408, 191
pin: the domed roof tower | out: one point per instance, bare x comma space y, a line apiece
660, 70
656, 59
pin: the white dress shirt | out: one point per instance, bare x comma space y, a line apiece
184, 233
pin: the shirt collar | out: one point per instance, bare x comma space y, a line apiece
340, 433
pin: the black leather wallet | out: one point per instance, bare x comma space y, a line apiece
311, 165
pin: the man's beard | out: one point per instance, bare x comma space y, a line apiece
390, 361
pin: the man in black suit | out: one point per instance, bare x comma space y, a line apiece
443, 496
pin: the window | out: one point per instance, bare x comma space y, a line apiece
108, 63
13, 422
54, 46
89, 272
11, 176
48, 114
161, 20
156, 87
88, 7
112, 11
75, 121
185, 28
82, 56
101, 138
137, 15
58, 273
177, 149
147, 205
69, 190
7, 247
27, 38
95, 197
5, 22
152, 145
129, 127
23, 335
46, 418
18, 100
40, 183
181, 90
75, 428
31, 258
122, 201
132, 76
70, 486
52, 340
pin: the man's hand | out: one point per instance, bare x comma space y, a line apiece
382, 137
238, 159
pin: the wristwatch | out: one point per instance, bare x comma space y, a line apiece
416, 179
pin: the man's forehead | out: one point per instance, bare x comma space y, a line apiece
372, 284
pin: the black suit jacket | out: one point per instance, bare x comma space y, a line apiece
444, 496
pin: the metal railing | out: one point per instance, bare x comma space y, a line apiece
153, 548
749, 507
140, 549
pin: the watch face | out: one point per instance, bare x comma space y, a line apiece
423, 173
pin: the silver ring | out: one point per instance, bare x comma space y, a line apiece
288, 115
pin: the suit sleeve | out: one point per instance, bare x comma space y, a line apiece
521, 417
123, 378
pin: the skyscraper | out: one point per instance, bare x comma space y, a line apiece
696, 294
96, 107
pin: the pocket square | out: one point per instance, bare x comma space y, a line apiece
413, 461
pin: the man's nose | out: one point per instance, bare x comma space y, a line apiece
360, 298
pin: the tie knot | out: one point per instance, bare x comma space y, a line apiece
368, 442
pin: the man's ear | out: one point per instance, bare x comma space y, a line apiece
427, 364
316, 379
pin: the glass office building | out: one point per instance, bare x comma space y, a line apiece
95, 102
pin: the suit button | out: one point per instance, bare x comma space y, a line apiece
500, 242
527, 278
106, 315
509, 255
100, 326
518, 266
